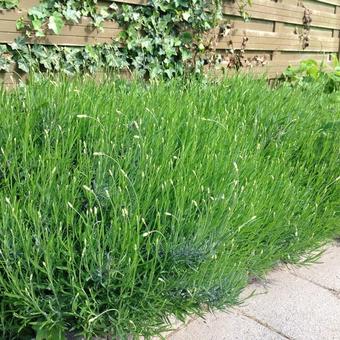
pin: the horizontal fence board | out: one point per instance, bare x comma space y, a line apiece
28, 4
269, 10
62, 40
299, 56
11, 15
81, 30
331, 2
314, 5
315, 31
80, 34
271, 70
277, 42
258, 25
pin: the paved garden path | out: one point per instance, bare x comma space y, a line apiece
293, 303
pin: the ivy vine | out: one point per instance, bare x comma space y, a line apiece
162, 39
68, 60
305, 30
53, 14
307, 23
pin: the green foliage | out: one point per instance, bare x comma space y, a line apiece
159, 39
162, 39
310, 72
52, 15
8, 4
122, 203
52, 333
243, 8
68, 60
5, 58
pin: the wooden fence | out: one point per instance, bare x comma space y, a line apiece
273, 39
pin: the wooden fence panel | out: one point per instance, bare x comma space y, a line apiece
274, 33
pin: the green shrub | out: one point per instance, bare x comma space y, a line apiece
124, 203
310, 73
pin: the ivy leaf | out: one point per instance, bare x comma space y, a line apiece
113, 6
37, 24
19, 44
39, 51
56, 23
23, 65
20, 24
39, 12
146, 44
9, 4
186, 37
186, 16
201, 47
98, 21
40, 33
72, 15
155, 71
186, 54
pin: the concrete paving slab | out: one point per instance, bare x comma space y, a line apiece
326, 273
291, 303
225, 326
295, 307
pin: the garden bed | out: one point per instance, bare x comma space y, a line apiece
122, 203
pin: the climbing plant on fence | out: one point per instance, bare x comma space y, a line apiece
8, 4
161, 39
